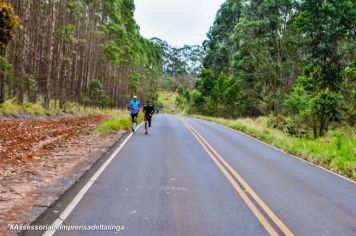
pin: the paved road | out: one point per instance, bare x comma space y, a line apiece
199, 178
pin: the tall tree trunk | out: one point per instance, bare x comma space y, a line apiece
51, 24
2, 87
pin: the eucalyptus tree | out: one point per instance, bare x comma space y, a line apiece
9, 22
328, 28
67, 44
181, 65
289, 57
267, 57
219, 47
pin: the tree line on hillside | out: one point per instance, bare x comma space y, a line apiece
181, 65
89, 52
292, 60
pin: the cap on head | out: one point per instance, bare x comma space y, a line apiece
135, 97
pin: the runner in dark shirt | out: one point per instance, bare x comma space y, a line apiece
148, 109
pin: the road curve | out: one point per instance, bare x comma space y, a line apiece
192, 177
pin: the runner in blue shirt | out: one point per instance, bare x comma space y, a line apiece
134, 106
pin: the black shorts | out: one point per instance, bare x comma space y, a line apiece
134, 115
148, 118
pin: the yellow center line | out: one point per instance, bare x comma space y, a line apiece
229, 173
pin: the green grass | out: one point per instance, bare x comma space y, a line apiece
12, 108
335, 151
168, 99
116, 119
9, 107
118, 122
35, 109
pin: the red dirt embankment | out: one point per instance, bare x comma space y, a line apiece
23, 141
36, 155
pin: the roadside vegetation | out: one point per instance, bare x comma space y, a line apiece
62, 60
167, 103
334, 151
11, 108
64, 51
294, 60
115, 119
290, 63
117, 122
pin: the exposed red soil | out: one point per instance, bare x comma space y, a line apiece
23, 141
36, 154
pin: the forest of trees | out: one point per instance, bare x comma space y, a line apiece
292, 60
181, 65
89, 52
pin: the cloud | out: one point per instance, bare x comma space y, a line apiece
179, 22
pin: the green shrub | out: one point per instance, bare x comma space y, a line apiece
35, 109
72, 108
10, 107
276, 122
114, 124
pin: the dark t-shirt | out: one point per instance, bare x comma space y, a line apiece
148, 110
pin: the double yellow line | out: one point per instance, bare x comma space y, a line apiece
252, 200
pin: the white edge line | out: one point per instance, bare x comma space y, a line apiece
278, 149
85, 188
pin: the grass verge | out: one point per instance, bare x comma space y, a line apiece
335, 151
116, 119
119, 122
11, 108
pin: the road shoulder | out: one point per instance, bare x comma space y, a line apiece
48, 179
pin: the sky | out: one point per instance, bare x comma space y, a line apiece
179, 22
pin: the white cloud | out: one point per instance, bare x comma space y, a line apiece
179, 22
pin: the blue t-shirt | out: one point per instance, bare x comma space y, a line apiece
135, 106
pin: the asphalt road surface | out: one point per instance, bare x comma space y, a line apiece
191, 177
